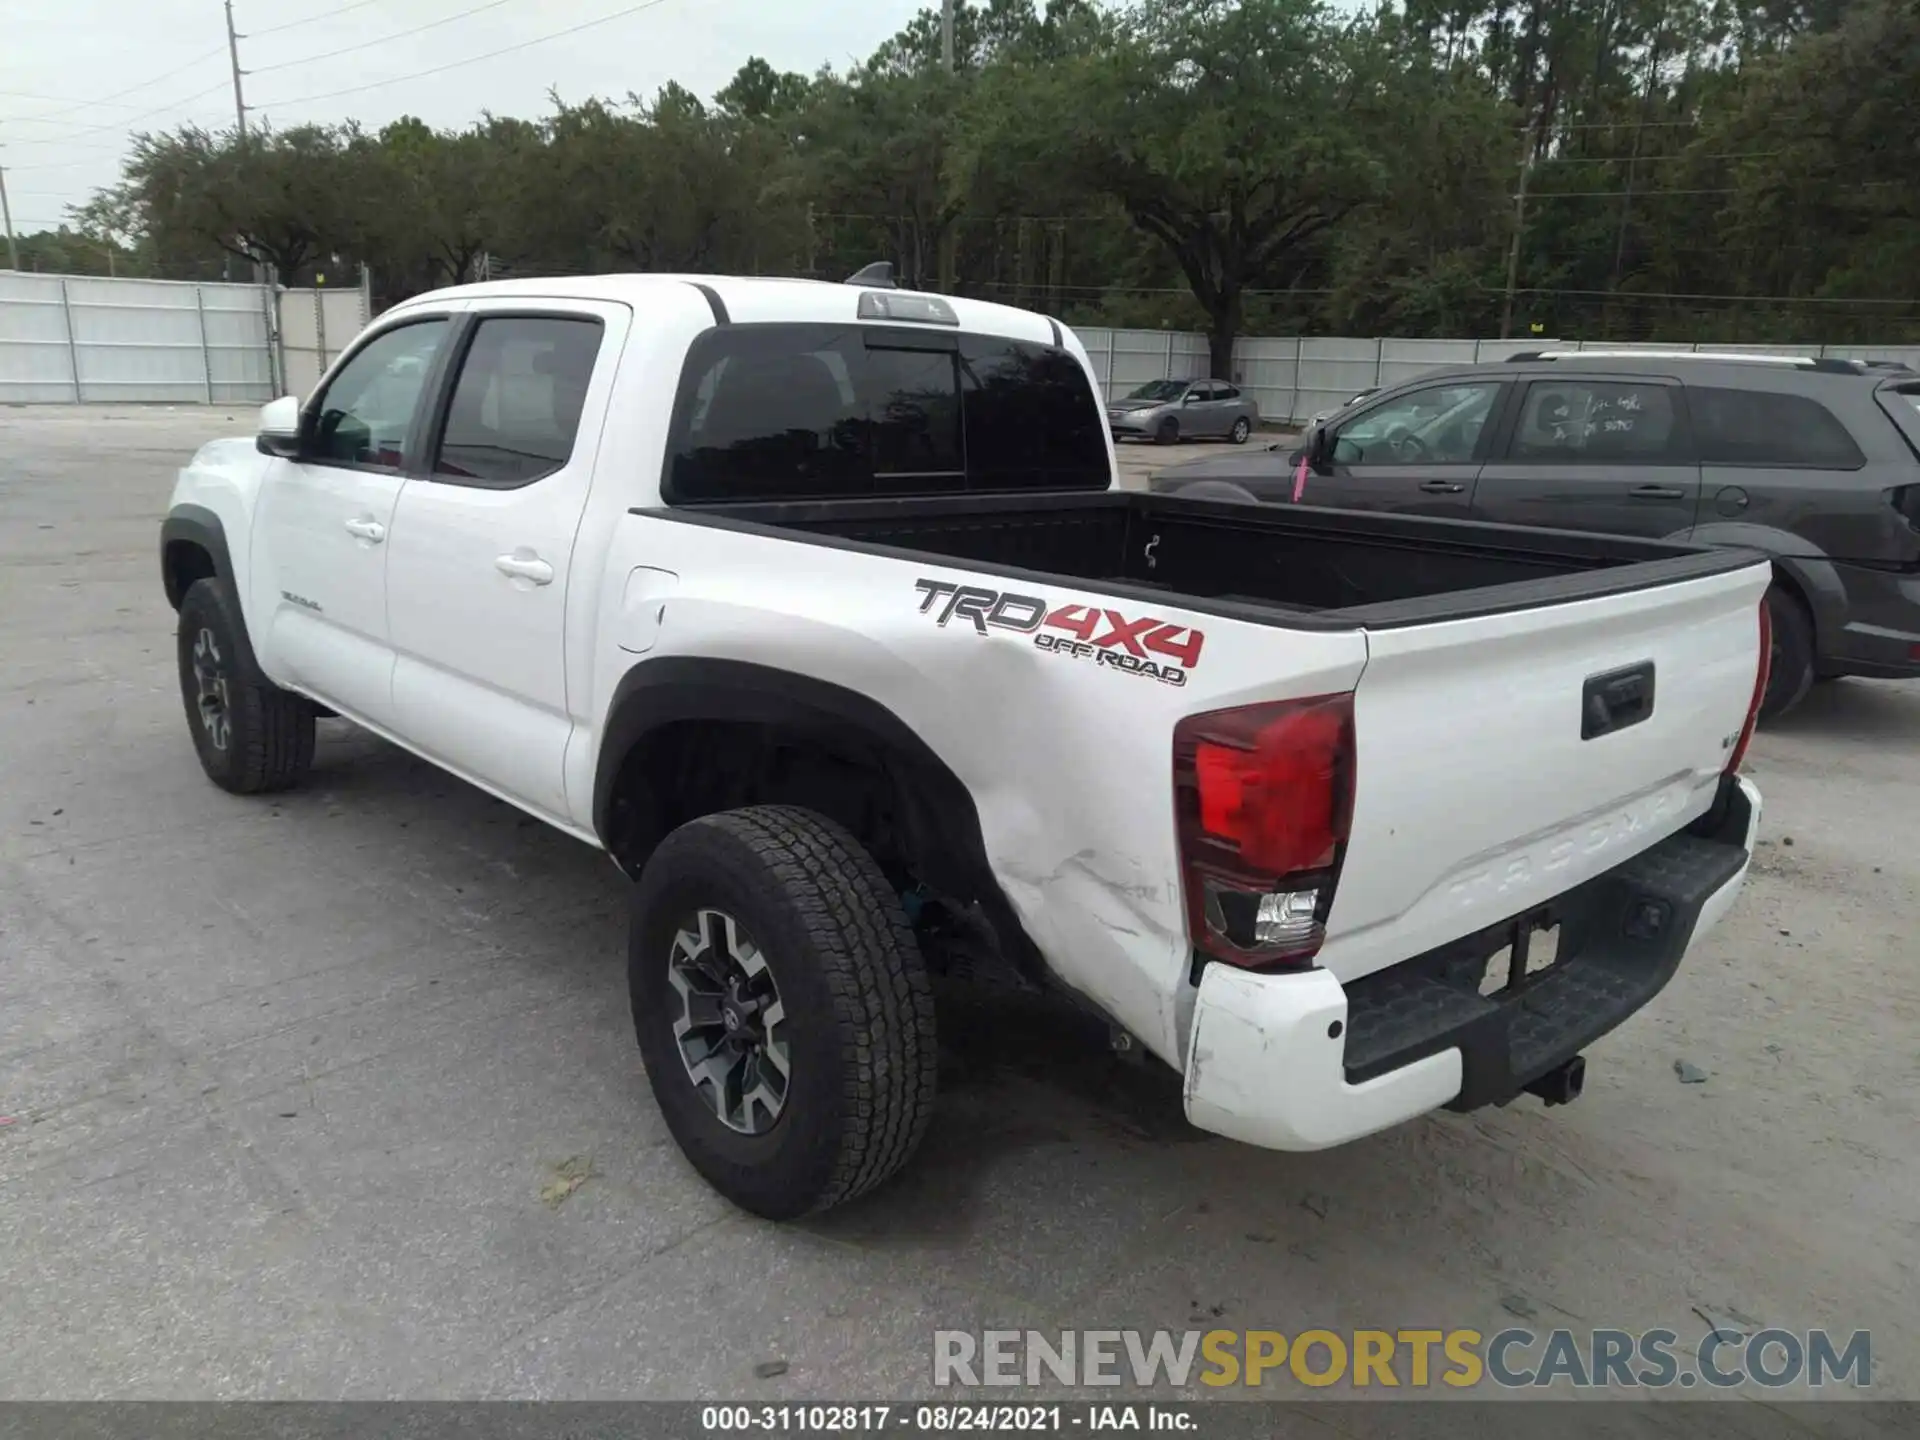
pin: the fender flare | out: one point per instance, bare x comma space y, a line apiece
194, 525
1806, 567
941, 821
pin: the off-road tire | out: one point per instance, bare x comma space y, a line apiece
859, 1011
1793, 670
267, 743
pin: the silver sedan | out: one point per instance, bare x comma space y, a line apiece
1170, 410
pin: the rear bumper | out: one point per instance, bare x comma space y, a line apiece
1301, 1062
1881, 634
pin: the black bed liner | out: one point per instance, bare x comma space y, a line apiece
1314, 568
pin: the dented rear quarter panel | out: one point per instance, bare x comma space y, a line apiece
1069, 761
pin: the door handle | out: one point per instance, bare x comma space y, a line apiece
1658, 492
370, 530
525, 567
1441, 487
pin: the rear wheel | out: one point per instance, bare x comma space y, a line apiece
1791, 672
782, 1009
1168, 432
251, 736
1242, 428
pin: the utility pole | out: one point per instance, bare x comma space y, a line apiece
949, 241
233, 53
1519, 228
6, 214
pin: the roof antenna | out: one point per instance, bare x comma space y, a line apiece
877, 276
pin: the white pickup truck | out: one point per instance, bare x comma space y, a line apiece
818, 609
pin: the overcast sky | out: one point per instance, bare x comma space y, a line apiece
55, 54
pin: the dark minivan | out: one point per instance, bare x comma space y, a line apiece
1814, 461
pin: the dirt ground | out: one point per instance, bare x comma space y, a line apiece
335, 1095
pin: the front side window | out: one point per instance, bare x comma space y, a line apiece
366, 413
787, 412
1748, 427
1599, 421
1439, 426
516, 408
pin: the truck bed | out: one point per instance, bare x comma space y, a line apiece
1312, 568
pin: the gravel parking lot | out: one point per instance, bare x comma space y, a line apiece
336, 1095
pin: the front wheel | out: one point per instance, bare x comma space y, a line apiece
1242, 428
782, 1008
251, 736
1168, 433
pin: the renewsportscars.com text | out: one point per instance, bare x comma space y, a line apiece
1410, 1359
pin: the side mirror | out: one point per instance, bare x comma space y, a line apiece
279, 429
1319, 447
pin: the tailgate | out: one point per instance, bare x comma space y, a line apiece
1477, 797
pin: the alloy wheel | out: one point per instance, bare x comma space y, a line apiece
210, 682
730, 1028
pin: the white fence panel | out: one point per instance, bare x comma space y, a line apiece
315, 326
1485, 350
1332, 370
239, 354
1404, 359
1808, 350
36, 356
1268, 370
137, 339
1906, 354
1098, 341
78, 338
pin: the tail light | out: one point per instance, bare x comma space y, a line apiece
1264, 800
1759, 690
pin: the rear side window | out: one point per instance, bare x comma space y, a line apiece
1751, 427
1591, 422
516, 407
791, 412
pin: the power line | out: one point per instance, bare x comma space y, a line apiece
157, 110
1612, 125
1724, 299
470, 60
1826, 190
334, 14
55, 100
383, 40
108, 100
1652, 159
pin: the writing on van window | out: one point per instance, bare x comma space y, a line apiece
1595, 421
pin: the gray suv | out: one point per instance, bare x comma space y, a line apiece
1815, 461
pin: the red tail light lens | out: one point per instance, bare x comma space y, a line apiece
1264, 800
1759, 690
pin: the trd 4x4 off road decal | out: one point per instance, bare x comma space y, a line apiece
1148, 646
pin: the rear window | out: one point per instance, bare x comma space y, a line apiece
798, 412
1752, 427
